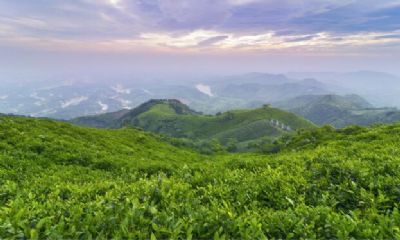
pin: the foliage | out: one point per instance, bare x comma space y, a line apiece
174, 119
61, 181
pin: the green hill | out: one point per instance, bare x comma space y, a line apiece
106, 120
172, 118
60, 181
339, 111
66, 144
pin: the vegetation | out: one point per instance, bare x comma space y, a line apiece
62, 181
105, 120
339, 111
234, 130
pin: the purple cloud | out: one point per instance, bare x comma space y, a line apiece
211, 41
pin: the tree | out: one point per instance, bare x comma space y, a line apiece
231, 145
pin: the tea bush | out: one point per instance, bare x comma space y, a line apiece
60, 181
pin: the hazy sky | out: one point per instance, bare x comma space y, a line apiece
213, 36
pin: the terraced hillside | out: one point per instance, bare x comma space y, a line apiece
62, 181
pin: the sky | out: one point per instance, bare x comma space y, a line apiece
198, 36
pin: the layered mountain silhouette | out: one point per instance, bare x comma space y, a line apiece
339, 111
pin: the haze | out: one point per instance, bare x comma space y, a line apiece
115, 37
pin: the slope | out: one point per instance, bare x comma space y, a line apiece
339, 111
172, 118
105, 120
322, 184
38, 139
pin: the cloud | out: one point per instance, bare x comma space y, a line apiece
242, 2
301, 39
390, 36
250, 24
211, 41
189, 15
74, 101
356, 16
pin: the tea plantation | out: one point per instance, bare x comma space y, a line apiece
61, 181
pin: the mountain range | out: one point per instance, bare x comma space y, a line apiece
381, 89
339, 111
71, 98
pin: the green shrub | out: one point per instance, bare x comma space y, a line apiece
79, 183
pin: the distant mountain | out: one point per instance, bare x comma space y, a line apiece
344, 102
339, 111
381, 89
175, 119
253, 78
71, 99
271, 93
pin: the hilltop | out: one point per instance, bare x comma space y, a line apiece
115, 119
175, 119
339, 111
64, 181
